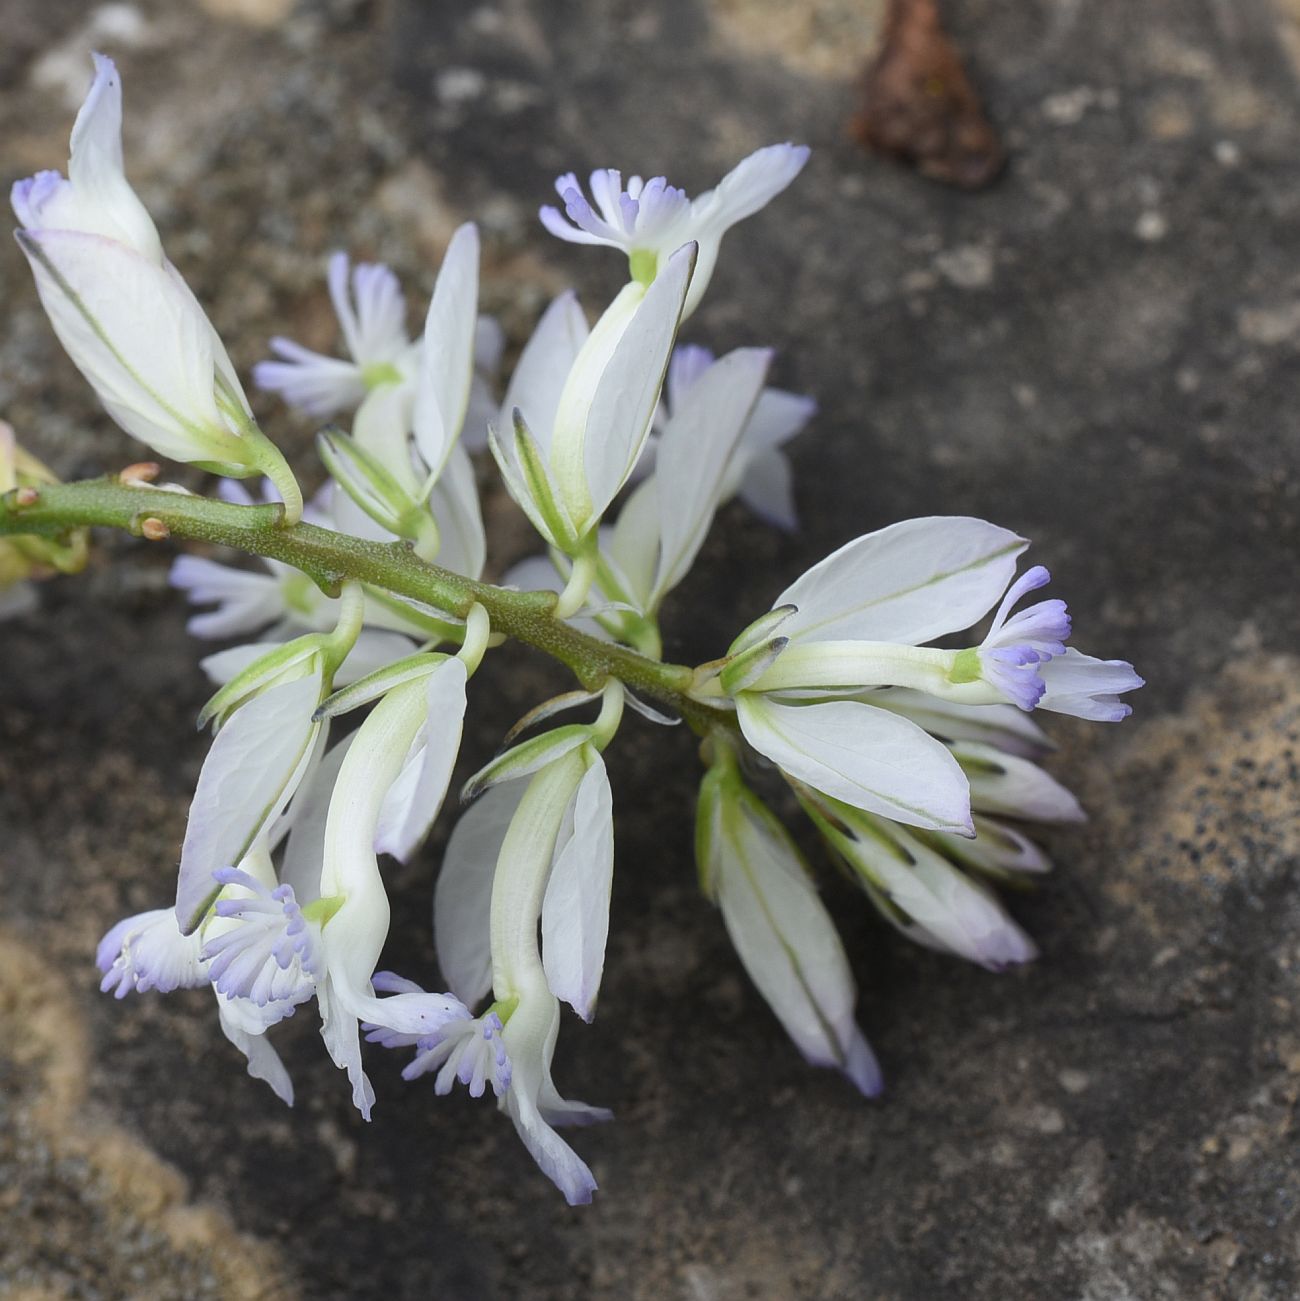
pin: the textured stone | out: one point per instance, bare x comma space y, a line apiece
1116, 1122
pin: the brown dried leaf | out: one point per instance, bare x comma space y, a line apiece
919, 105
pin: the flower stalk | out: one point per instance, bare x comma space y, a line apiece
331, 559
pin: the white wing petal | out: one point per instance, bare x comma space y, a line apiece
462, 899
414, 799
693, 454
447, 353
910, 582
251, 771
575, 911
864, 756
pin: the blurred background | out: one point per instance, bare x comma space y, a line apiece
1097, 345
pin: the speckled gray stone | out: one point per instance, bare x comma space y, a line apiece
1103, 352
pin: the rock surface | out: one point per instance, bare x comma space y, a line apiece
1103, 353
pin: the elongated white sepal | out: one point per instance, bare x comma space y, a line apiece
250, 773
447, 351
416, 796
762, 629
999, 850
1006, 784
141, 342
543, 366
744, 669
693, 454
780, 928
612, 391
575, 910
1010, 729
528, 480
909, 583
867, 757
462, 899
940, 905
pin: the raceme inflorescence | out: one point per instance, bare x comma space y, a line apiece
916, 763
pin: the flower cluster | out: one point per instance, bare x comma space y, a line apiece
916, 762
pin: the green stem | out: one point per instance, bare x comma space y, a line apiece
331, 559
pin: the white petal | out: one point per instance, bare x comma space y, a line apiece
462, 898
95, 165
138, 340
455, 506
628, 391
447, 353
377, 330
954, 912
752, 184
247, 600
381, 427
788, 943
1087, 687
543, 367
575, 910
910, 582
632, 545
693, 453
1010, 729
1007, 784
778, 417
305, 849
263, 1061
414, 799
554, 1157
767, 488
529, 1038
246, 780
864, 756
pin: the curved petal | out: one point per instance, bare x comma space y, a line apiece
575, 909
462, 899
910, 582
867, 757
447, 352
251, 771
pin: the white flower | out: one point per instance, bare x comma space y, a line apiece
371, 312
782, 932
546, 854
351, 890
648, 220
758, 471
565, 472
122, 311
149, 952
925, 896
856, 620
664, 523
